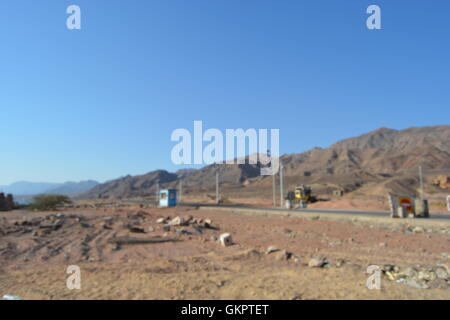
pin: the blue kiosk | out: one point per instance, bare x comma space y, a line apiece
168, 198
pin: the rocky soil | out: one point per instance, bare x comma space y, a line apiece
177, 253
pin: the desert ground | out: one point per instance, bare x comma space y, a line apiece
142, 253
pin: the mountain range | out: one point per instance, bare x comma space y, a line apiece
25, 188
381, 161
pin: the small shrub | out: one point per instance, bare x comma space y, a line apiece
49, 202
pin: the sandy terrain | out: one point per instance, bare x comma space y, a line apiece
36, 248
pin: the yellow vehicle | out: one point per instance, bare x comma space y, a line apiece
301, 196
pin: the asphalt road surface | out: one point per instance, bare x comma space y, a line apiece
379, 214
367, 213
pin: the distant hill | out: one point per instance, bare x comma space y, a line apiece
72, 188
377, 162
132, 186
27, 188
24, 188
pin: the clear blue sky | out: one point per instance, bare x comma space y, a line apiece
102, 102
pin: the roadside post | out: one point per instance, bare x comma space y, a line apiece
448, 203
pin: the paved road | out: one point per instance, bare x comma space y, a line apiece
332, 211
435, 217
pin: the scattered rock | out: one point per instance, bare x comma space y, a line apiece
252, 253
188, 219
161, 220
178, 221
417, 284
197, 229
44, 232
85, 225
426, 275
438, 284
136, 230
183, 231
418, 230
271, 249
282, 255
408, 273
390, 268
226, 240
441, 273
207, 223
334, 243
442, 181
445, 255
46, 225
419, 277
137, 215
318, 262
106, 226
340, 262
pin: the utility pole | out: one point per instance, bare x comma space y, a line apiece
274, 190
217, 185
157, 191
181, 189
421, 182
281, 184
